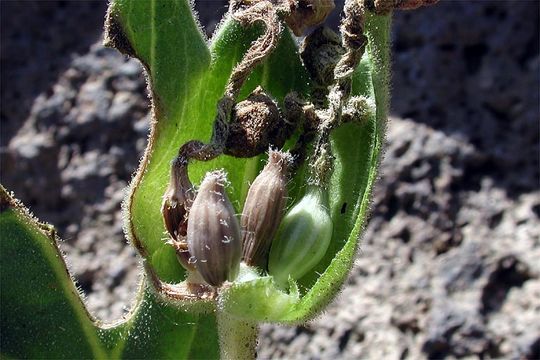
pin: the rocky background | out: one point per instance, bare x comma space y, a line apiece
448, 266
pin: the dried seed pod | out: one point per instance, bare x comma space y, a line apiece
264, 208
256, 125
213, 232
302, 238
320, 52
306, 13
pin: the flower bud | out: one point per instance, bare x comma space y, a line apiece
264, 209
303, 237
213, 232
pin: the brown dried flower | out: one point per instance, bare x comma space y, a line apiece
321, 51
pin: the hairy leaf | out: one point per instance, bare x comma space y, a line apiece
43, 316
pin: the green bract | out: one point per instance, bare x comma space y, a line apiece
42, 314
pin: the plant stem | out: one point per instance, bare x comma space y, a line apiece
237, 338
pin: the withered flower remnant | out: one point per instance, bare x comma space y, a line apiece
213, 232
320, 52
264, 208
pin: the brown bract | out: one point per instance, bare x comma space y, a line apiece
177, 201
307, 13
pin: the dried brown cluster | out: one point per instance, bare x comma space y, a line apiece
256, 125
307, 13
320, 52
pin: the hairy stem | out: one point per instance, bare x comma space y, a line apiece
237, 338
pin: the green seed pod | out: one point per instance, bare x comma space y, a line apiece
302, 238
264, 209
213, 232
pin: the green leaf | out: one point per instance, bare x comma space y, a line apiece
186, 87
157, 330
43, 316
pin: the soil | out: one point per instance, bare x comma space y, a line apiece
448, 266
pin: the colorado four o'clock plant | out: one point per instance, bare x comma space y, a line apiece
246, 123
